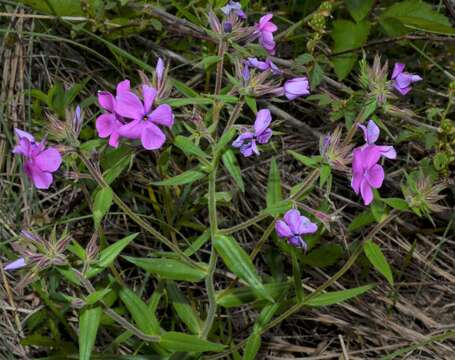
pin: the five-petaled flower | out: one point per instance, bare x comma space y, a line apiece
40, 162
262, 134
264, 30
145, 117
371, 134
109, 123
402, 80
293, 227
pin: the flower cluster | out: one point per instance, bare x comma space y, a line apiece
367, 174
126, 115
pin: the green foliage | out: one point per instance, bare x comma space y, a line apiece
374, 253
88, 327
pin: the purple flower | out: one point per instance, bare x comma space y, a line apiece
235, 8
265, 29
40, 162
110, 122
293, 226
264, 65
402, 80
145, 117
296, 87
367, 174
246, 71
16, 264
262, 134
371, 134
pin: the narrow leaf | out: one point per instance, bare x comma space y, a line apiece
89, 321
169, 269
183, 308
336, 297
102, 204
378, 260
188, 147
230, 162
186, 177
238, 261
273, 185
183, 342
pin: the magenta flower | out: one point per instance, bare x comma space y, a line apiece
264, 65
262, 134
265, 29
110, 122
402, 80
16, 264
371, 134
367, 174
235, 8
40, 162
296, 87
293, 226
144, 117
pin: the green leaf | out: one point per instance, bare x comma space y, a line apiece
188, 147
116, 170
230, 162
305, 160
56, 7
183, 342
240, 296
278, 208
207, 61
251, 102
96, 296
359, 8
325, 173
186, 177
238, 261
141, 314
347, 36
363, 219
397, 203
326, 255
273, 185
336, 297
252, 347
89, 321
376, 257
225, 139
102, 204
183, 309
108, 255
403, 16
169, 269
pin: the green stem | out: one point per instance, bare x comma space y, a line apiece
211, 313
135, 217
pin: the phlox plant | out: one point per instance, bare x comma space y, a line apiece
197, 242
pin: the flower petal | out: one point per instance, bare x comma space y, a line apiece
294, 220
264, 137
162, 115
159, 70
262, 122
375, 176
129, 105
152, 137
387, 151
372, 132
16, 264
397, 69
132, 130
356, 181
106, 100
49, 160
282, 229
306, 226
114, 139
369, 156
105, 124
366, 192
21, 134
41, 179
296, 87
149, 94
242, 138
123, 86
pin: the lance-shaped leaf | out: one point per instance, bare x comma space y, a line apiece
89, 321
273, 185
183, 342
188, 147
336, 297
102, 204
378, 260
238, 261
230, 162
186, 177
169, 268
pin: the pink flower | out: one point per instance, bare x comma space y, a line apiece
110, 122
402, 80
367, 174
144, 118
262, 134
296, 87
16, 264
371, 134
40, 162
293, 226
265, 29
